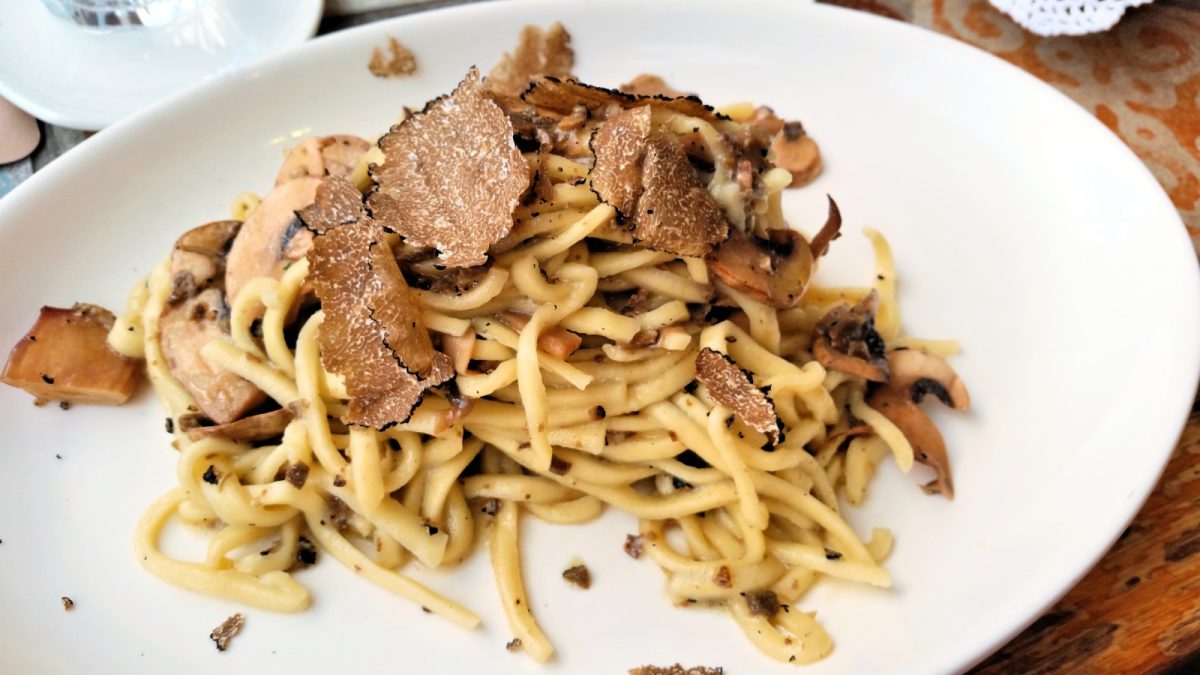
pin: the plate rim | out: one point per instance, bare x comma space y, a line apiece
81, 118
1189, 325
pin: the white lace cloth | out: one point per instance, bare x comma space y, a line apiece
1066, 17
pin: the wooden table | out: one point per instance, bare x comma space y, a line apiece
1138, 611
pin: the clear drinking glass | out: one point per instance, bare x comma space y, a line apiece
106, 15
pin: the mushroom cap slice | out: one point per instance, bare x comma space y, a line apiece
198, 259
928, 446
845, 339
196, 313
775, 270
921, 373
253, 428
793, 149
184, 329
916, 373
272, 236
831, 230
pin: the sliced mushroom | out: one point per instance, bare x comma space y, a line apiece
460, 349
320, 156
66, 357
198, 313
775, 270
460, 407
247, 429
556, 341
797, 152
272, 236
923, 373
845, 340
831, 230
198, 258
914, 374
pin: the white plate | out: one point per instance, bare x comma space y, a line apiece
1020, 225
83, 79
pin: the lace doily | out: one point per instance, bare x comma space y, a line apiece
1066, 17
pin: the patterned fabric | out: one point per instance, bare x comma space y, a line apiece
1141, 79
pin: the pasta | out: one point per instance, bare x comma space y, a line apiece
578, 383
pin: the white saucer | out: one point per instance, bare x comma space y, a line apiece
77, 78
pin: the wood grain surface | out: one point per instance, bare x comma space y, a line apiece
1138, 611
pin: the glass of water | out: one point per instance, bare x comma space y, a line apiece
107, 15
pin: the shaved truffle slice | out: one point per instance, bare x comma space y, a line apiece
336, 202
619, 145
366, 338
394, 306
676, 213
539, 52
401, 62
731, 387
648, 84
845, 339
452, 176
560, 96
66, 357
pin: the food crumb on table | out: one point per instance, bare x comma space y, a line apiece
221, 635
578, 575
401, 62
676, 669
633, 545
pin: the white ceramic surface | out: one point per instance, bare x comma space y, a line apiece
1020, 225
84, 79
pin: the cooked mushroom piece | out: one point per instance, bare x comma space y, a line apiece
460, 407
272, 236
556, 341
916, 373
66, 357
775, 270
321, 156
197, 313
252, 428
845, 340
460, 349
797, 152
832, 229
